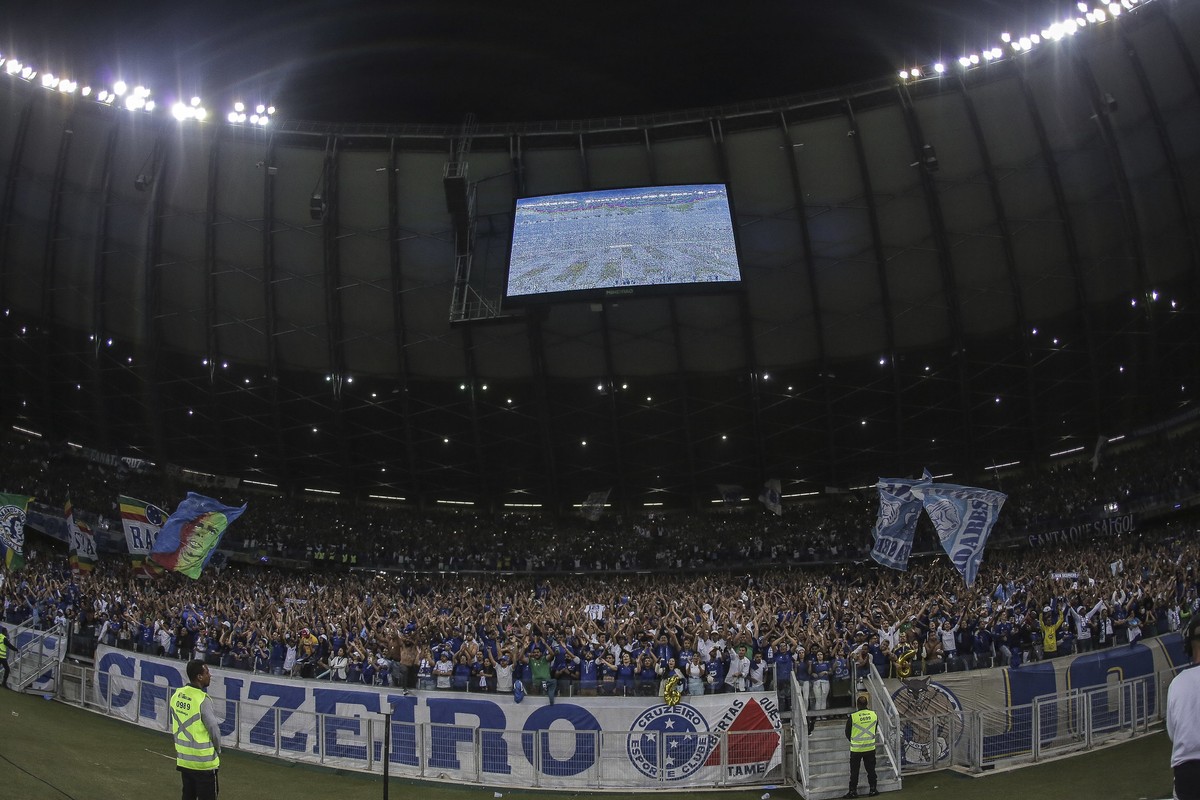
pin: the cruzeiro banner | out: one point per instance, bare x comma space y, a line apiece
576, 743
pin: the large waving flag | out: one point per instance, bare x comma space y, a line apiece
190, 536
593, 507
83, 546
141, 521
897, 521
963, 517
899, 511
771, 497
12, 529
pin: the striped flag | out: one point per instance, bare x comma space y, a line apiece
83, 545
12, 529
141, 521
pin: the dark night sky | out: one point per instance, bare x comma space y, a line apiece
505, 60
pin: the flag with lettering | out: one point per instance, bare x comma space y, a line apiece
190, 536
963, 517
771, 497
896, 522
12, 529
141, 522
83, 546
593, 507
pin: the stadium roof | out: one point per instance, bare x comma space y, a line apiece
966, 269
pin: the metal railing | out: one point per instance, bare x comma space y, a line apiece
889, 717
37, 656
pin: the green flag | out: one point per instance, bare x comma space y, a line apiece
12, 529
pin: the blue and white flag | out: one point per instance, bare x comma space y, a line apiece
899, 511
593, 507
963, 517
771, 498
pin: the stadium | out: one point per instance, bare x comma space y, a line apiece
485, 387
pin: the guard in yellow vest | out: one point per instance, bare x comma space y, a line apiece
197, 733
860, 730
5, 644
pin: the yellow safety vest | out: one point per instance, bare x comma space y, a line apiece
862, 731
194, 748
3, 646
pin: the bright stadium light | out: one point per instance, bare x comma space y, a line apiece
939, 68
181, 112
141, 91
260, 108
151, 105
195, 102
270, 109
201, 113
239, 106
232, 116
119, 88
254, 119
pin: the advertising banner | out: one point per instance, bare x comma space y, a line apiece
592, 742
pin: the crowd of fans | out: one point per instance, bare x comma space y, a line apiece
828, 529
628, 635
589, 633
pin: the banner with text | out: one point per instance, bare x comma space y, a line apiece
577, 743
1081, 531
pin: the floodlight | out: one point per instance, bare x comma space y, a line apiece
47, 80
916, 72
241, 117
141, 91
1026, 43
239, 106
103, 95
987, 55
270, 109
232, 116
1082, 7
1114, 9
195, 102
13, 67
974, 58
262, 120
996, 52
254, 119
119, 88
135, 102
111, 97
201, 112
150, 105
260, 108
1006, 37
1099, 15
28, 73
180, 111
964, 61
939, 68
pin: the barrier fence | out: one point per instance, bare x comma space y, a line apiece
575, 758
540, 758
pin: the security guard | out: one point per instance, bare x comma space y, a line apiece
860, 730
4, 645
1183, 717
197, 735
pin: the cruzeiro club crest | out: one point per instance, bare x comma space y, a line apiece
12, 527
669, 742
931, 721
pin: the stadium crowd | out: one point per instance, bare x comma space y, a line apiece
723, 630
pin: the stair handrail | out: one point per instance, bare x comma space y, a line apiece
800, 734
34, 650
889, 717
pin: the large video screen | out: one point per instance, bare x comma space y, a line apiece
620, 241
